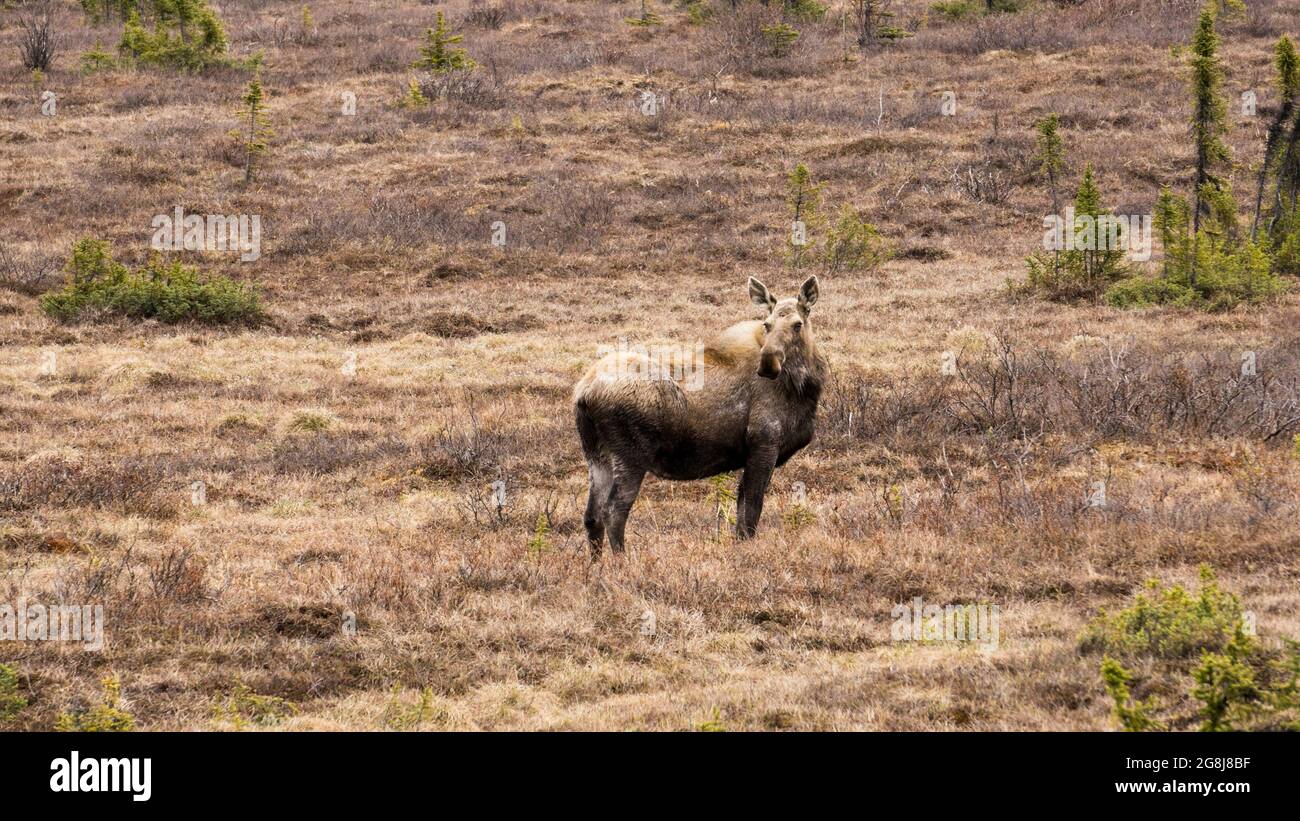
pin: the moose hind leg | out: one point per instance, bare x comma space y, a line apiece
602, 480
627, 484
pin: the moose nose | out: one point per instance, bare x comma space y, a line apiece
769, 366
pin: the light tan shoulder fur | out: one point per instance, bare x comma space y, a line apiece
614, 376
737, 344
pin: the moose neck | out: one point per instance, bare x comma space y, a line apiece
801, 372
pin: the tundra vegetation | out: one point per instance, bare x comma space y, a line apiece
1209, 261
177, 34
338, 486
166, 291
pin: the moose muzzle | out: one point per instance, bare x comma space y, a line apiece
769, 364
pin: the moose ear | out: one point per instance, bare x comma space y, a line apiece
808, 293
759, 294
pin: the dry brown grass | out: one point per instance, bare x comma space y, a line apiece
331, 497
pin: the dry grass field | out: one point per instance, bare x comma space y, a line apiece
347, 567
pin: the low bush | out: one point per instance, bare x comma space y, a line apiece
1237, 683
204, 47
1088, 254
242, 707
105, 717
1143, 292
169, 292
10, 702
1168, 622
1225, 278
37, 42
854, 244
956, 9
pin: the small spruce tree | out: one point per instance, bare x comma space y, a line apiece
1051, 155
254, 130
1134, 716
439, 53
1094, 257
870, 22
1051, 161
1172, 218
780, 38
647, 18
541, 540
803, 196
414, 95
1209, 124
1288, 87
1283, 167
186, 34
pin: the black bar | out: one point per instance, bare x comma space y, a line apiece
331, 771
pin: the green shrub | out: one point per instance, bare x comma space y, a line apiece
854, 244
1237, 683
1226, 277
10, 702
439, 53
105, 717
1096, 259
1243, 275
1244, 688
957, 9
186, 34
1143, 292
541, 541
169, 292
97, 59
242, 706
414, 96
309, 421
1168, 623
712, 724
1135, 717
797, 516
1286, 258
780, 38
399, 715
1282, 699
1225, 684
809, 10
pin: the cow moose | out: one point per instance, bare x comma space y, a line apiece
752, 407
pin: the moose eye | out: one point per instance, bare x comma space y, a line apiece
798, 326
767, 326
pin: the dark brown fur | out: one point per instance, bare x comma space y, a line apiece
753, 409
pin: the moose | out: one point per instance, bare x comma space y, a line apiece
752, 408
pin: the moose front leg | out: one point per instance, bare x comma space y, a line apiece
753, 486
